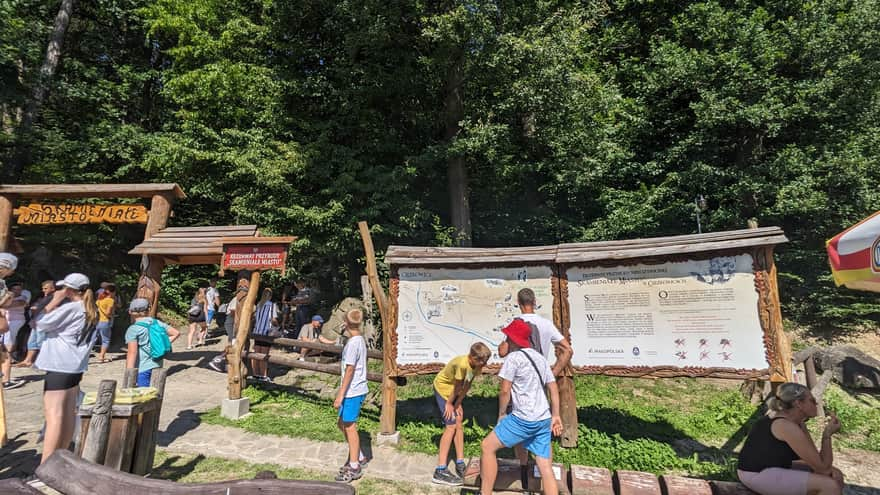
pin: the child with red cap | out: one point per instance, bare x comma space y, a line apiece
532, 420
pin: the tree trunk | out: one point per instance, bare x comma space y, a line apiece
21, 155
453, 111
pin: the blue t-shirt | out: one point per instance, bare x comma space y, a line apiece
140, 333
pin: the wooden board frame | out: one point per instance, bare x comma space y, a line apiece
777, 350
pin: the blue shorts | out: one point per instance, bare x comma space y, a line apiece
144, 378
351, 408
105, 328
533, 435
210, 316
441, 404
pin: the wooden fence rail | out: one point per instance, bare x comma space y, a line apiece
318, 346
816, 385
332, 369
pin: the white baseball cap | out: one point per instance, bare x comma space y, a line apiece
8, 261
76, 281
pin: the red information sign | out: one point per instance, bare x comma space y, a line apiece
255, 257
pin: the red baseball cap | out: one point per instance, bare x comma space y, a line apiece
519, 332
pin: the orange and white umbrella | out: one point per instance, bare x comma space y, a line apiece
854, 255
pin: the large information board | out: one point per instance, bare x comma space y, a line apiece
442, 312
699, 313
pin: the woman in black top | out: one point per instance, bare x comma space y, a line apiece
779, 454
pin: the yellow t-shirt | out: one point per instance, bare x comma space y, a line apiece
105, 308
458, 368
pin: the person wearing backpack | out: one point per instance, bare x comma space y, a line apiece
148, 341
525, 375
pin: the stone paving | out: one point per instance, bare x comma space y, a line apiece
193, 388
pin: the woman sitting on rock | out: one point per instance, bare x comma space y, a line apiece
779, 456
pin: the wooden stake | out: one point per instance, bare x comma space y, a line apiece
244, 313
95, 448
388, 416
6, 207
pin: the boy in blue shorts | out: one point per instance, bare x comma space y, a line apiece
532, 421
352, 392
451, 386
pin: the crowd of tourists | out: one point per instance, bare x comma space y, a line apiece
69, 319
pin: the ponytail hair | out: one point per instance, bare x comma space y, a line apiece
786, 395
88, 301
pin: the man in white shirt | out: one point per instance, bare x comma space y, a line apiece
15, 316
547, 340
531, 421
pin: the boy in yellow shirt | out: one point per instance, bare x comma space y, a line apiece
451, 385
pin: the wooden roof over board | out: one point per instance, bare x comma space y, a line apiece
72, 191
193, 245
585, 252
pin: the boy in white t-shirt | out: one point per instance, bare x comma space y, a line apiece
352, 392
532, 421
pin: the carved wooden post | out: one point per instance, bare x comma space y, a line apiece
244, 313
152, 266
565, 382
129, 378
95, 448
6, 207
775, 340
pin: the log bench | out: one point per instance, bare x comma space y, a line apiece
585, 480
71, 475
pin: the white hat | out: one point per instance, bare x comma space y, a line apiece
8, 261
76, 281
139, 305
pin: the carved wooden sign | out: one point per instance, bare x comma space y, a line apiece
41, 214
255, 257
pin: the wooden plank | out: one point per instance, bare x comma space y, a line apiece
676, 249
63, 191
15, 486
677, 485
100, 424
331, 369
587, 480
335, 349
180, 251
636, 483
71, 475
124, 409
212, 228
256, 240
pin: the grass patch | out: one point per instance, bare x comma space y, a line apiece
662, 426
189, 468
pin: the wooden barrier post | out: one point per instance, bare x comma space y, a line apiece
388, 417
776, 342
95, 447
6, 207
236, 368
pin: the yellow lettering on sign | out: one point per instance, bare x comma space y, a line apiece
40, 214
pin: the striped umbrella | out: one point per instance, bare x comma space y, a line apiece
854, 255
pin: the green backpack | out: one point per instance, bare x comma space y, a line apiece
160, 344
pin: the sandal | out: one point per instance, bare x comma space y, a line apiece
347, 475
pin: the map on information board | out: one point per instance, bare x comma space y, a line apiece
700, 313
442, 312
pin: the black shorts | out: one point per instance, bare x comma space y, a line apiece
196, 319
60, 381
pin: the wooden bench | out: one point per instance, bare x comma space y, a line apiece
585, 480
71, 475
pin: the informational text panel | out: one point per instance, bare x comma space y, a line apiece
701, 313
442, 312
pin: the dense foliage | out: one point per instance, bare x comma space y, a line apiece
576, 121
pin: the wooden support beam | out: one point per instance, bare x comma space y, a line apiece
332, 369
129, 378
388, 416
6, 206
244, 313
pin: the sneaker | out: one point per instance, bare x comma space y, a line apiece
460, 468
445, 477
12, 384
265, 379
215, 365
347, 475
